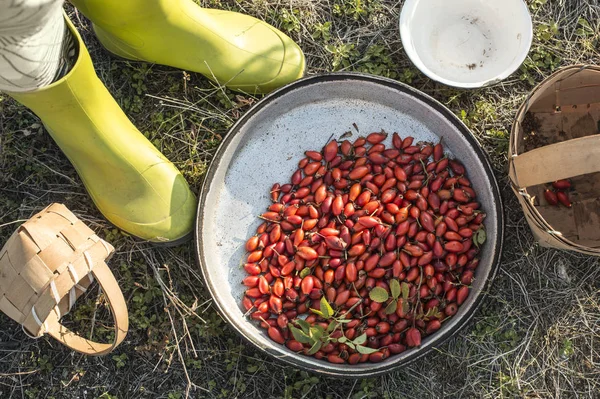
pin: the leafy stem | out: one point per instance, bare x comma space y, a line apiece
399, 291
419, 294
317, 336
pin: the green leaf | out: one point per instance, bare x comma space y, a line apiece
299, 335
326, 308
342, 339
315, 348
379, 294
351, 345
405, 291
318, 312
583, 22
365, 350
391, 308
360, 339
317, 331
303, 325
395, 288
481, 236
305, 272
332, 326
430, 313
315, 334
405, 307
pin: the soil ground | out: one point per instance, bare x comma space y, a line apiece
536, 336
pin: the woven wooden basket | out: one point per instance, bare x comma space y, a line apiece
556, 136
49, 262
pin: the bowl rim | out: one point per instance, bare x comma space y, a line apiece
409, 49
334, 370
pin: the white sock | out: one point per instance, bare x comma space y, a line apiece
32, 44
69, 54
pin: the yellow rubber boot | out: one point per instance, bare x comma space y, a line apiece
235, 50
131, 182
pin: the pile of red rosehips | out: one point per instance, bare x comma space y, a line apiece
367, 250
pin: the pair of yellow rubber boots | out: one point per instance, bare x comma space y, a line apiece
131, 182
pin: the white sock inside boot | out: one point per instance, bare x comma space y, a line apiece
32, 44
69, 54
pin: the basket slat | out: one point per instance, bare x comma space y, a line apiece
37, 274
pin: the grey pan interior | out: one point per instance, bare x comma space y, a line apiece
265, 146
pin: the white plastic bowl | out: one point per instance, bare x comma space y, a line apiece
466, 43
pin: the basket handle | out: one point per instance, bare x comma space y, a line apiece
556, 161
117, 306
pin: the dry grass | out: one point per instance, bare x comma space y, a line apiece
537, 335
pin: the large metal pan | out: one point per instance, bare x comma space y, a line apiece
265, 146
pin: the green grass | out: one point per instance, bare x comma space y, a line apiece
536, 336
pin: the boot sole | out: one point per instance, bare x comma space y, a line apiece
169, 244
